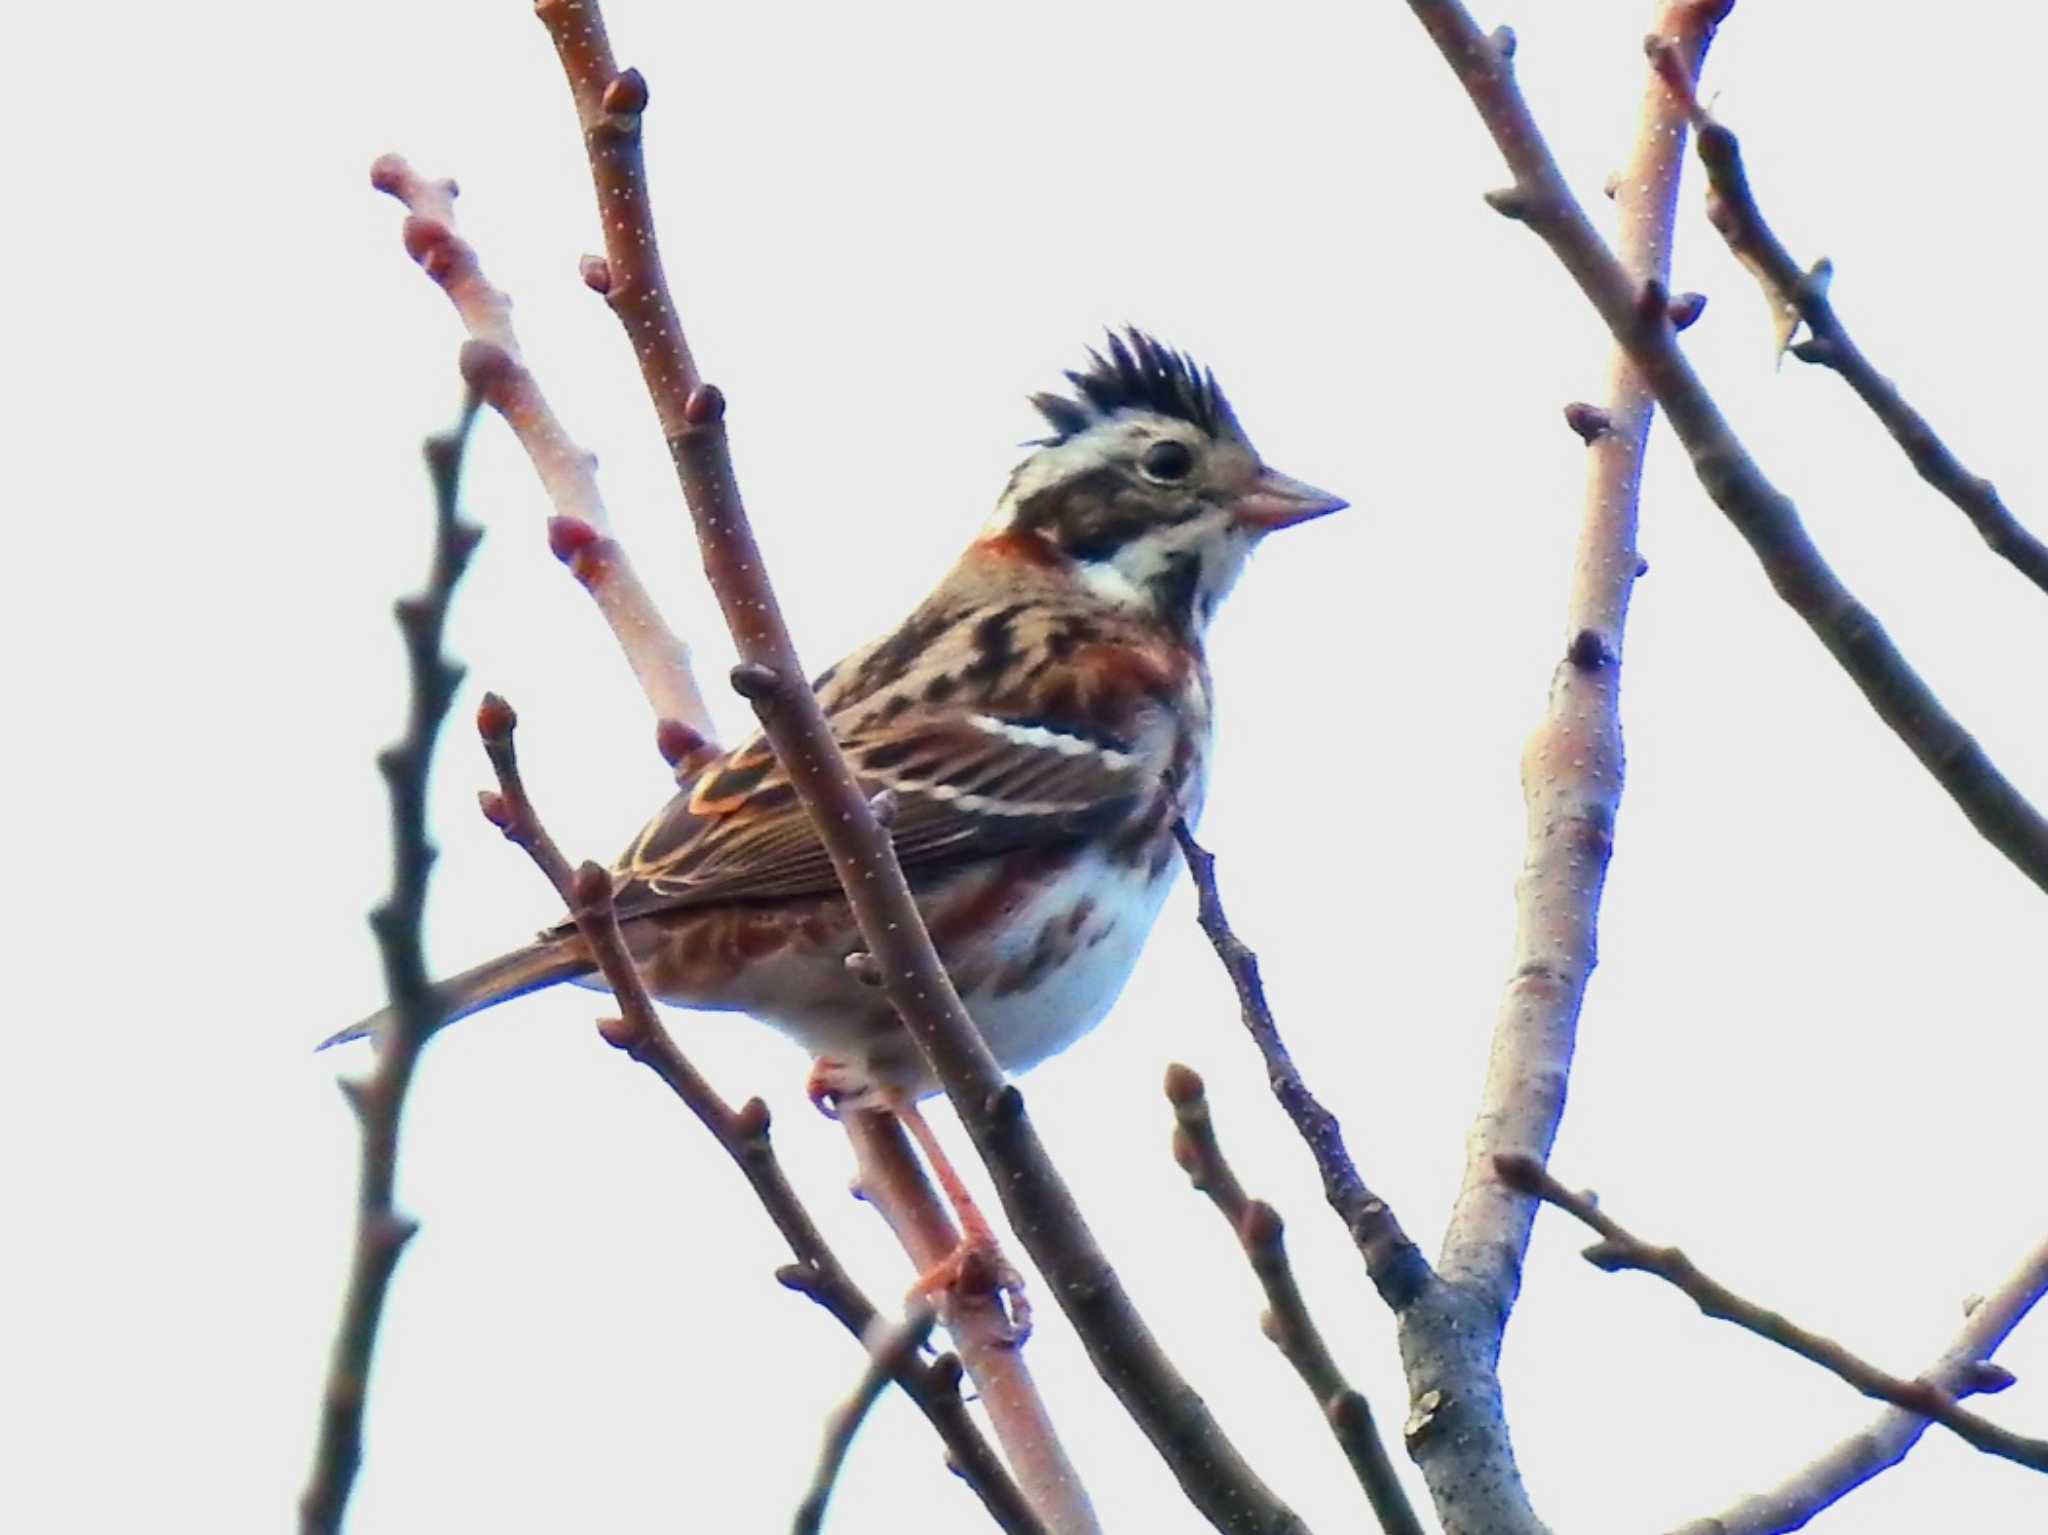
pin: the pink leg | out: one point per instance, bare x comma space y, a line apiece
978, 1261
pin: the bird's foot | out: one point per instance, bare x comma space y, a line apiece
837, 1087
977, 1272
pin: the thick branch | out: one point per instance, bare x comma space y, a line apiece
1620, 1249
1572, 764
1637, 314
379, 1099
579, 533
1287, 1321
1963, 1368
1799, 294
1049, 1224
892, 1349
741, 1133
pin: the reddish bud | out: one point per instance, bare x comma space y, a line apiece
495, 808
1589, 421
1686, 308
617, 1033
422, 236
486, 366
677, 742
590, 888
755, 682
1982, 1375
705, 405
597, 274
1261, 1225
495, 718
389, 173
1509, 202
1588, 651
751, 1122
569, 537
626, 94
1183, 1085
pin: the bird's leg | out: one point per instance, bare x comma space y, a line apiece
977, 1263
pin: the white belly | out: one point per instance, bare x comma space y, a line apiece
1069, 996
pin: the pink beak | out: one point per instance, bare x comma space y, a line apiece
1276, 501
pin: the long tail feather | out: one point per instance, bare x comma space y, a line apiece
546, 963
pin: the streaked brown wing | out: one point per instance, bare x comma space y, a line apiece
966, 787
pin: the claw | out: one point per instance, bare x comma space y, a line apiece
977, 1271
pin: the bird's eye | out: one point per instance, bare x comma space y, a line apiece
1167, 461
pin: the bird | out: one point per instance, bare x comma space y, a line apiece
1038, 724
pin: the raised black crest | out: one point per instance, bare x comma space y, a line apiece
1139, 374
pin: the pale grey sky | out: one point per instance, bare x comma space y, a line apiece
1814, 1052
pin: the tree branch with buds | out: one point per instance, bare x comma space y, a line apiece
1620, 1249
1839, 1471
579, 532
1637, 314
1287, 1322
742, 1133
1799, 295
579, 535
609, 103
416, 1010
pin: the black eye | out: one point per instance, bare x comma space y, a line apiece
1168, 461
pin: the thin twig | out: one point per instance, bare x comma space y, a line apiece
893, 1180
893, 1348
1799, 294
1208, 1466
416, 1011
1456, 1428
1287, 1321
1394, 1263
1964, 1369
1638, 315
1620, 1249
741, 1133
579, 533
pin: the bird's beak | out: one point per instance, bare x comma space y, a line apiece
1276, 501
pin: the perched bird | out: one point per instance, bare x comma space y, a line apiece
1040, 722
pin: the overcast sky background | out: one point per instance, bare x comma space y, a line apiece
1814, 1051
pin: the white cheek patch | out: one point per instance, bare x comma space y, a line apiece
1109, 582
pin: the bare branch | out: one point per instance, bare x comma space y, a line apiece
1395, 1265
1963, 1369
1042, 1210
1287, 1321
579, 533
1637, 315
893, 1348
1798, 294
1572, 764
578, 536
416, 1011
741, 1133
1619, 1249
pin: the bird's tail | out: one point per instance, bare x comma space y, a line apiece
544, 963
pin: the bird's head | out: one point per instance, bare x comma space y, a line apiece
1149, 485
